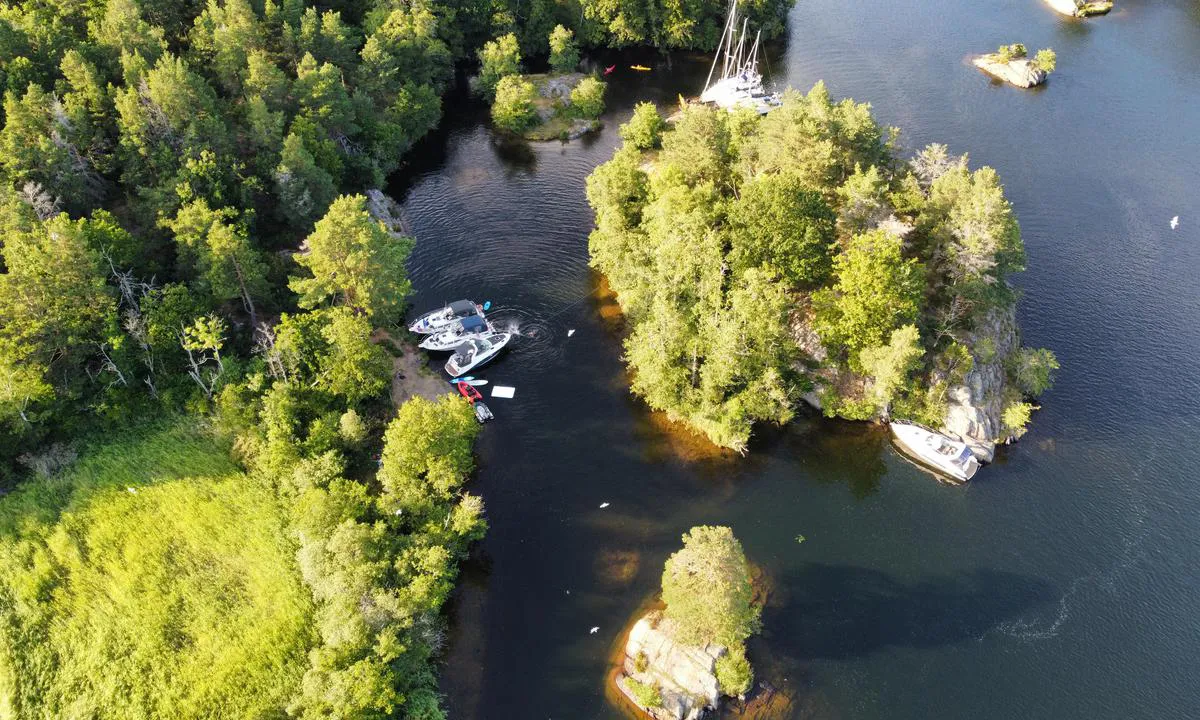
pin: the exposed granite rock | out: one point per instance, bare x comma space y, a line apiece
975, 407
685, 675
557, 87
387, 211
1020, 72
1080, 8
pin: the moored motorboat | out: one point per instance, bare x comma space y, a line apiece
466, 328
935, 450
445, 318
475, 352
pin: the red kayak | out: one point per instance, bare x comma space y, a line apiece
482, 412
469, 392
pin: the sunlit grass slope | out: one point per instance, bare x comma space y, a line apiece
150, 579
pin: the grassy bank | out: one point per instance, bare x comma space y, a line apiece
150, 579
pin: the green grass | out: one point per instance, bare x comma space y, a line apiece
180, 599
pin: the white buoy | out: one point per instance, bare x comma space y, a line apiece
603, 505
1174, 222
570, 332
594, 630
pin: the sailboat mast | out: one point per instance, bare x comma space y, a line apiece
741, 47
723, 45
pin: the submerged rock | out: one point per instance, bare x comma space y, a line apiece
683, 675
1020, 72
1080, 8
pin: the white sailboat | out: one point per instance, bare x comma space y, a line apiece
740, 84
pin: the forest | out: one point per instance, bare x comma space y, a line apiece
761, 259
194, 306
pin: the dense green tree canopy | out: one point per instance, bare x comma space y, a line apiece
706, 588
758, 258
354, 261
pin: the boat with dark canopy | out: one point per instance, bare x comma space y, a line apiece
445, 318
451, 338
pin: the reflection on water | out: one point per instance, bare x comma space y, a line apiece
1060, 583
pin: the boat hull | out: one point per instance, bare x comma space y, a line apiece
915, 443
454, 369
445, 318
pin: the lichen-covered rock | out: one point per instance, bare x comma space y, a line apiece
1020, 72
974, 408
685, 675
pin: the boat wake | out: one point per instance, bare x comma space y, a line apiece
537, 342
1043, 626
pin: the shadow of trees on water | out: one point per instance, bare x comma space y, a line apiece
837, 611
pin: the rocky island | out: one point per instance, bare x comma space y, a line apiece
1081, 8
765, 260
559, 105
680, 661
1011, 64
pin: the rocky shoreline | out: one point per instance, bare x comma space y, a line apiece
664, 678
1020, 72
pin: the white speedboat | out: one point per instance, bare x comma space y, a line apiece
476, 352
465, 329
740, 84
941, 453
445, 318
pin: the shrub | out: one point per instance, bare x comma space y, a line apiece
1016, 417
513, 108
645, 695
498, 58
1012, 52
644, 130
1033, 370
734, 674
1045, 60
641, 662
588, 98
564, 51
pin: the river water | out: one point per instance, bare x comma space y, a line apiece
1062, 583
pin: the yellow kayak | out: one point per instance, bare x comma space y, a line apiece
639, 68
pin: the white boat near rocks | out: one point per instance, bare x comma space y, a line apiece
740, 84
935, 450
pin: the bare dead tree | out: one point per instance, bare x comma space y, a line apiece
197, 370
264, 345
108, 365
44, 205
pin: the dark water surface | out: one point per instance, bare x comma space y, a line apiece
1062, 583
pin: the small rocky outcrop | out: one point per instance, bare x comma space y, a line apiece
975, 407
683, 677
1020, 71
387, 211
554, 100
1080, 8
